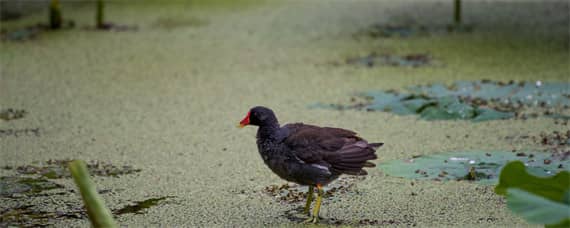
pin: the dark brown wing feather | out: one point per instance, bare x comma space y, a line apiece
342, 150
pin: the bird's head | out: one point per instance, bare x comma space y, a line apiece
258, 116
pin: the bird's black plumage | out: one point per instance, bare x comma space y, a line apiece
307, 154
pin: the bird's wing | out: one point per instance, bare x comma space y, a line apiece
337, 148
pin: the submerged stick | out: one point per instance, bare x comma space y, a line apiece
99, 215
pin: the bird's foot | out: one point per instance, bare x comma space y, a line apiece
312, 219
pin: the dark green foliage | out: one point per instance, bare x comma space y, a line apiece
515, 175
541, 200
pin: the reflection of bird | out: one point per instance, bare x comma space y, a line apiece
309, 155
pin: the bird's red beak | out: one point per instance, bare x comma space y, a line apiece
245, 121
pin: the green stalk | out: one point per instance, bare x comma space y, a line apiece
99, 215
457, 15
55, 19
99, 14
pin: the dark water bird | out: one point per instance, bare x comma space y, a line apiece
309, 155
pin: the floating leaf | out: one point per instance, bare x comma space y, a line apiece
482, 166
484, 114
477, 101
542, 200
448, 108
515, 175
537, 209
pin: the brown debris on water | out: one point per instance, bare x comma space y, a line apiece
407, 60
28, 216
55, 169
15, 187
294, 193
30, 32
12, 114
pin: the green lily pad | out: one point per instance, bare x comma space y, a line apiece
477, 101
480, 166
448, 108
530, 93
484, 114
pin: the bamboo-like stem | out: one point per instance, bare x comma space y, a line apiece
99, 214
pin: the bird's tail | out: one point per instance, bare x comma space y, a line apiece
354, 157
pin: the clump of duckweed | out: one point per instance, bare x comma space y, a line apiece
12, 114
174, 23
405, 30
554, 138
408, 60
28, 216
12, 186
140, 206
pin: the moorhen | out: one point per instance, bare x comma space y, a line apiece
307, 154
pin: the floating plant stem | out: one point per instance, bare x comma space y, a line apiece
99, 214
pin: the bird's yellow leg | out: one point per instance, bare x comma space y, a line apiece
315, 217
309, 200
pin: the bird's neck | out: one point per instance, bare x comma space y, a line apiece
268, 131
